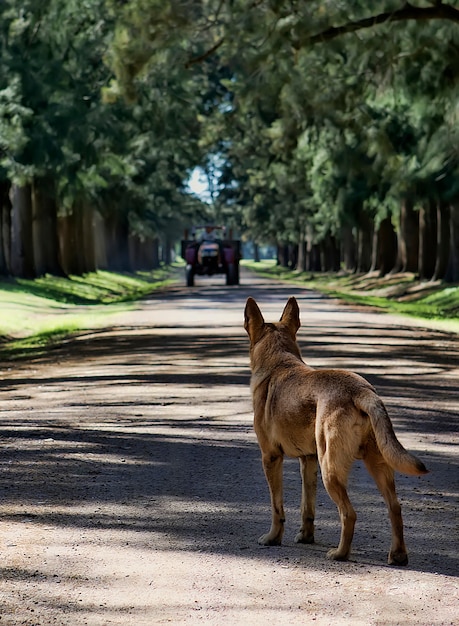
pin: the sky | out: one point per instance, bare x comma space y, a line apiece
198, 184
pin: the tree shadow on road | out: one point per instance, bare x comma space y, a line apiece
149, 435
184, 493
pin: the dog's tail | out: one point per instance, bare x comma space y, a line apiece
391, 448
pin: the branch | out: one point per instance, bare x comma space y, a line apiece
205, 55
438, 11
208, 53
408, 12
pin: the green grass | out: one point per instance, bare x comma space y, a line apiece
396, 293
35, 314
95, 288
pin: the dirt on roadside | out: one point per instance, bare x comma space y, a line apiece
132, 491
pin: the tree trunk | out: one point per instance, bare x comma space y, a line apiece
142, 253
336, 254
331, 254
315, 261
155, 253
283, 255
76, 237
87, 227
166, 251
452, 272
408, 238
117, 242
374, 250
365, 241
443, 241
5, 228
70, 244
293, 256
427, 240
22, 264
348, 247
256, 252
302, 255
309, 238
386, 247
45, 236
110, 242
100, 250
136, 253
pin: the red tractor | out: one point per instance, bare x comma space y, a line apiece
209, 252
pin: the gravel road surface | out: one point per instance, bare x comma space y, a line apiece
132, 491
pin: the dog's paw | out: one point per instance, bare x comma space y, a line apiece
397, 558
335, 555
270, 540
304, 538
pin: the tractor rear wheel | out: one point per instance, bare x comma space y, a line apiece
189, 276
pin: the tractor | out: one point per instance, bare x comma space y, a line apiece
209, 252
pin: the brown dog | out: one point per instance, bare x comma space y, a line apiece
331, 415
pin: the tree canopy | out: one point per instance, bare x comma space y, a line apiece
329, 129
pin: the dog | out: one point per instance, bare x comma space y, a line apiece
332, 416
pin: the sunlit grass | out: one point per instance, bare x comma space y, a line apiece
396, 293
35, 314
38, 342
97, 287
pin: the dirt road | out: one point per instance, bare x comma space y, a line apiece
132, 491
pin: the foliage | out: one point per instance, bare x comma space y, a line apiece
308, 117
318, 124
58, 119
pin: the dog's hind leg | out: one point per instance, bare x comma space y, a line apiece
308, 468
383, 476
338, 494
272, 465
334, 476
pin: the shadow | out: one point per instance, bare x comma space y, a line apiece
149, 433
193, 490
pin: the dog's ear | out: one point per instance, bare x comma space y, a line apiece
291, 315
253, 320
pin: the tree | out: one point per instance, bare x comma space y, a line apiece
328, 128
77, 150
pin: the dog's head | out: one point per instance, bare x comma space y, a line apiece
255, 325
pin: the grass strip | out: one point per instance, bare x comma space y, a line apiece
397, 293
36, 314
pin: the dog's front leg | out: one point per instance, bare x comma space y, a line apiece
308, 468
272, 465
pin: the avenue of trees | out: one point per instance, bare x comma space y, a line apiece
330, 129
87, 180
